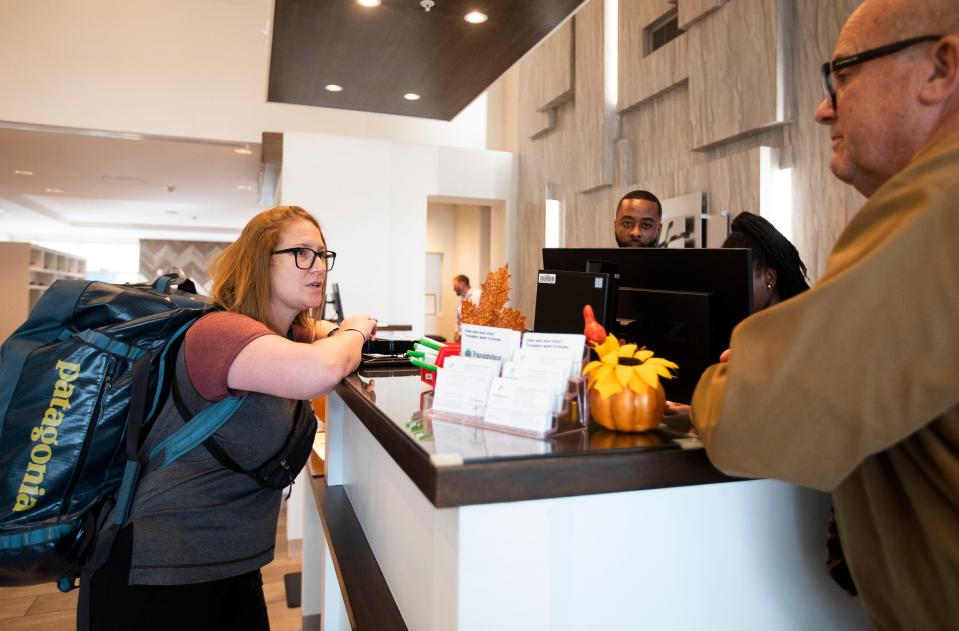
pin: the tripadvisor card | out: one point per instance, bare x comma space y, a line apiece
487, 342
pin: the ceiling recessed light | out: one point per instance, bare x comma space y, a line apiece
54, 190
245, 187
22, 172
332, 87
243, 151
411, 96
475, 17
368, 3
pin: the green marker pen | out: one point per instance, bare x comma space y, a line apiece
425, 341
422, 364
428, 352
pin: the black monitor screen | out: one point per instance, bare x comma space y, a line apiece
561, 294
680, 303
336, 302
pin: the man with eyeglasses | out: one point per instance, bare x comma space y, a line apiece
853, 386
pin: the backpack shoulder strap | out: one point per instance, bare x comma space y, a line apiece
210, 443
193, 433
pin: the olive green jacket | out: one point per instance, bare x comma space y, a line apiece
853, 387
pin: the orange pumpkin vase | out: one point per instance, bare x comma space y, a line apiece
629, 411
625, 391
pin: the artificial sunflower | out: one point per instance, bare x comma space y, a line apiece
625, 393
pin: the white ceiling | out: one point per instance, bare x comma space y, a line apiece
123, 185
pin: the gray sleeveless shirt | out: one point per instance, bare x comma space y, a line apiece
196, 520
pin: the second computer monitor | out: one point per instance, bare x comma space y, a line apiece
682, 304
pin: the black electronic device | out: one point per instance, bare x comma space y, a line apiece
561, 294
386, 353
336, 302
680, 303
388, 347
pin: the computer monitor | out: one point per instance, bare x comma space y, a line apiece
557, 290
680, 303
337, 304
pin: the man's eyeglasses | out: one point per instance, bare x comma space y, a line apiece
306, 257
839, 63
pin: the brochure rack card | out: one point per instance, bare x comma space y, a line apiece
573, 415
527, 384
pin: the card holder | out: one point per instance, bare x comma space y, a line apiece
573, 416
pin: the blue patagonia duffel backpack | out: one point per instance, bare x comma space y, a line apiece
80, 382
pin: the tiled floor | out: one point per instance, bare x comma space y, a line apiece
44, 608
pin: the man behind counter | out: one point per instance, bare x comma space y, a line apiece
852, 387
638, 220
463, 291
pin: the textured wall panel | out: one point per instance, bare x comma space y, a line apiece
692, 10
546, 80
193, 257
821, 204
593, 144
655, 148
740, 78
551, 82
660, 132
641, 78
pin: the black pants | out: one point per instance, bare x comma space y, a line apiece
230, 604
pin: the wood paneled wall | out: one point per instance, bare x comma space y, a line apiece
706, 112
647, 75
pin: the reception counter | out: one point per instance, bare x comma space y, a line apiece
434, 526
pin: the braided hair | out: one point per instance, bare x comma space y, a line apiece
770, 249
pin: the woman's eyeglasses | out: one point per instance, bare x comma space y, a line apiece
306, 257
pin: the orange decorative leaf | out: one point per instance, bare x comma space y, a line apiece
492, 309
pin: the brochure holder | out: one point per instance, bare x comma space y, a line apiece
572, 416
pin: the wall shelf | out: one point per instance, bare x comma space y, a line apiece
29, 270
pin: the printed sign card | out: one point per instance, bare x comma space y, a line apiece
486, 368
570, 346
522, 405
487, 342
552, 373
461, 392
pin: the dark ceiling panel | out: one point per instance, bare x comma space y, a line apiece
379, 54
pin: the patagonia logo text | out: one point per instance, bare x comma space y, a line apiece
44, 437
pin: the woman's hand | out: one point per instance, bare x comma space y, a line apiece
363, 323
676, 408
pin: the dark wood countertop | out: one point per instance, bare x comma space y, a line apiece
591, 461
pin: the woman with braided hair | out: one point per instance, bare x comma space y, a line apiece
778, 272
